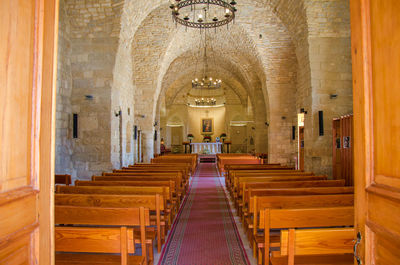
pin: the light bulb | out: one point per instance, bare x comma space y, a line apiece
227, 11
200, 16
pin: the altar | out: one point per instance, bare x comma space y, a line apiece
206, 148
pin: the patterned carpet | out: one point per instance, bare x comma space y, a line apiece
204, 231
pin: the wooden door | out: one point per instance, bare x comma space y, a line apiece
375, 26
28, 33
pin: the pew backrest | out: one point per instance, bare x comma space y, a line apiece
322, 241
87, 238
63, 179
121, 190
300, 201
152, 202
302, 218
238, 185
290, 184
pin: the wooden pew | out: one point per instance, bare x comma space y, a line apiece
138, 190
179, 190
164, 192
152, 202
332, 246
192, 159
143, 170
172, 207
185, 171
267, 172
184, 166
245, 159
231, 179
291, 192
297, 218
176, 174
87, 238
239, 181
256, 204
286, 184
229, 167
63, 179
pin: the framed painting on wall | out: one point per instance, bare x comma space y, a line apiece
207, 126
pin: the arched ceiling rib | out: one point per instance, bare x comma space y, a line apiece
157, 31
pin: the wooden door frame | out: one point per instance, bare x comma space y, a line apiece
361, 77
46, 72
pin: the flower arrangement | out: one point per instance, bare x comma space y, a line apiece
190, 136
207, 138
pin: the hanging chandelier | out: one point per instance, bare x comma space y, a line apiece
206, 82
205, 102
203, 14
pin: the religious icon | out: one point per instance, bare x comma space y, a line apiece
207, 126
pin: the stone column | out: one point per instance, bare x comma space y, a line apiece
148, 146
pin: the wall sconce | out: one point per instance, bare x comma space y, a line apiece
118, 113
303, 111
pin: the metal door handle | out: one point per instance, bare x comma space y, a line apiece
355, 248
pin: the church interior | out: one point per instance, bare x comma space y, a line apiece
200, 132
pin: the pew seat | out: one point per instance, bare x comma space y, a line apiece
95, 259
342, 259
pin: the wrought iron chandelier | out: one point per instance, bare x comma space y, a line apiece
205, 102
203, 14
206, 82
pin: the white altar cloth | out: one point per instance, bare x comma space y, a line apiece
209, 148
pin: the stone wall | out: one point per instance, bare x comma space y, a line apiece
88, 42
331, 74
280, 56
64, 142
92, 65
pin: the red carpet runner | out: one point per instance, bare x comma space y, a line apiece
204, 231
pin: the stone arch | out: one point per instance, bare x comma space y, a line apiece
264, 85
